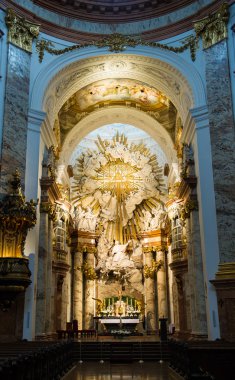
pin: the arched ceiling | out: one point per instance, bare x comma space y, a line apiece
110, 92
135, 90
113, 11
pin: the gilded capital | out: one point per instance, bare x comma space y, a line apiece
21, 32
88, 271
213, 29
149, 271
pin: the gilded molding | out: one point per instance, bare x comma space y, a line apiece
21, 32
149, 271
16, 218
117, 43
156, 248
213, 29
88, 271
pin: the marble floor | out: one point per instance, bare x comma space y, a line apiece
106, 371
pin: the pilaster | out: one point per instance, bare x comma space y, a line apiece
14, 136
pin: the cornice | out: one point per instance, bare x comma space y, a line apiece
79, 36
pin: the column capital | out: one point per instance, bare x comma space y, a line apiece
46, 207
213, 29
188, 207
20, 32
149, 271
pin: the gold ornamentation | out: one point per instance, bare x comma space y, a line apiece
189, 206
21, 32
149, 271
16, 218
213, 28
118, 43
88, 271
49, 209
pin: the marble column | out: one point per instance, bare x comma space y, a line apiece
78, 289
49, 290
222, 136
150, 297
195, 274
42, 276
162, 287
20, 36
89, 294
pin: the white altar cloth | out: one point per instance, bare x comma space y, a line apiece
117, 320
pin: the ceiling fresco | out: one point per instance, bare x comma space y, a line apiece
111, 92
115, 90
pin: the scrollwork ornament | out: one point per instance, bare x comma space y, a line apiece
88, 271
21, 32
117, 43
149, 271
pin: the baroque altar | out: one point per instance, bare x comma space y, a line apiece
116, 313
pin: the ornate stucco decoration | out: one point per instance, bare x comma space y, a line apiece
116, 186
149, 271
117, 43
21, 32
16, 218
213, 29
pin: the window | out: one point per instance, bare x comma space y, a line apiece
176, 233
60, 233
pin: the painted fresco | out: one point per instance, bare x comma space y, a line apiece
115, 90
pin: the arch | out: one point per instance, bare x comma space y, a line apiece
174, 66
120, 114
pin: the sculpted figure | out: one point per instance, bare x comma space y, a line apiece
118, 252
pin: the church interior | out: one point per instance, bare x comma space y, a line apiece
117, 186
